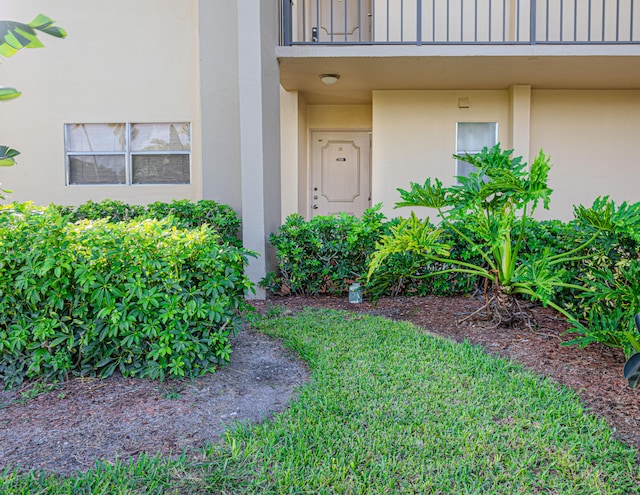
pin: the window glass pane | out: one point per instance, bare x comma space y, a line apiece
96, 137
473, 136
160, 137
160, 169
96, 169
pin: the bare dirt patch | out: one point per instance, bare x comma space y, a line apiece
84, 420
81, 421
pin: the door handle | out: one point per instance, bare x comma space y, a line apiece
315, 207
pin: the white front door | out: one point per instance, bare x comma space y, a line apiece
340, 172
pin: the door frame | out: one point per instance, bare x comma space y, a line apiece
309, 186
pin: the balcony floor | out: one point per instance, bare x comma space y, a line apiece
363, 69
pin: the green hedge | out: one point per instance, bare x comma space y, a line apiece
143, 296
185, 213
327, 253
324, 255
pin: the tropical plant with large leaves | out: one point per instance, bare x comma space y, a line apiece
494, 203
14, 36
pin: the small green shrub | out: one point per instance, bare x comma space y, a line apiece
324, 255
327, 253
112, 210
608, 267
185, 214
206, 211
608, 309
142, 297
407, 273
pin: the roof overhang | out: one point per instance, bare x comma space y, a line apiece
363, 69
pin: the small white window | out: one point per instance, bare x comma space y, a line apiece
471, 138
128, 153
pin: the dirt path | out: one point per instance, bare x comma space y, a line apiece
69, 428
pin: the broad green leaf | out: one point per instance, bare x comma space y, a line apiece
8, 93
429, 195
15, 36
7, 156
45, 24
631, 370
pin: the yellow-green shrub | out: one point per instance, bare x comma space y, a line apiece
92, 297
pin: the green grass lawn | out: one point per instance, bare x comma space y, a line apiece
389, 409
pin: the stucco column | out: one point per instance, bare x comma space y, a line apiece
520, 120
259, 97
220, 126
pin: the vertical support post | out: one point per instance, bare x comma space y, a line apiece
345, 21
461, 21
604, 15
504, 20
532, 23
401, 20
631, 24
287, 26
419, 23
618, 20
490, 19
589, 22
259, 132
475, 21
360, 23
575, 20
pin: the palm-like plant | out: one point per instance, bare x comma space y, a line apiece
494, 203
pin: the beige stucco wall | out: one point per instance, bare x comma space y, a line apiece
219, 102
339, 116
289, 131
414, 137
122, 61
588, 135
303, 146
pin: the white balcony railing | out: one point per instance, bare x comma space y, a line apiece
420, 22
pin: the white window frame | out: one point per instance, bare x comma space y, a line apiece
474, 151
127, 153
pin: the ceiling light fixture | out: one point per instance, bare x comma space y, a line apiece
329, 79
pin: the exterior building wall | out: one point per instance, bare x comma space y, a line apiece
212, 64
584, 132
587, 134
290, 146
219, 102
259, 117
339, 116
303, 147
414, 136
101, 73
